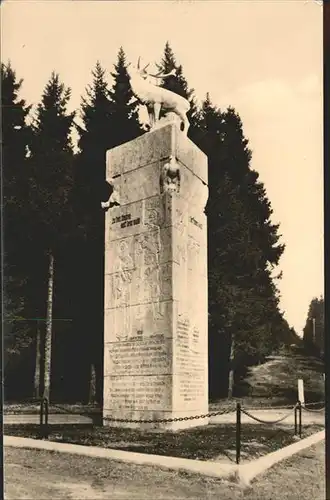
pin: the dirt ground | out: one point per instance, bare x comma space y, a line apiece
35, 474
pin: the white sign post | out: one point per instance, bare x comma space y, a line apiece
301, 395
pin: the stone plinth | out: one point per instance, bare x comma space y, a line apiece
155, 332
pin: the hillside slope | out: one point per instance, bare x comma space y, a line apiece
275, 382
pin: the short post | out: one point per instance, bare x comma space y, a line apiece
300, 423
238, 432
46, 433
301, 394
295, 420
41, 417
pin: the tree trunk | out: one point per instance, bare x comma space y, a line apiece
231, 369
38, 362
92, 385
48, 336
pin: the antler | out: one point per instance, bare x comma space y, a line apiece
138, 63
163, 75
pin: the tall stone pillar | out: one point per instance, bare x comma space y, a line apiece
155, 331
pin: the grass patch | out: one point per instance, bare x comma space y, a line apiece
214, 441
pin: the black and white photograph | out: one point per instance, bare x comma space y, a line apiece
163, 249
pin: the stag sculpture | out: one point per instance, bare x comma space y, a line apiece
156, 98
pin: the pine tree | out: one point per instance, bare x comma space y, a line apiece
243, 245
109, 118
94, 140
51, 181
178, 84
15, 138
14, 141
90, 189
124, 111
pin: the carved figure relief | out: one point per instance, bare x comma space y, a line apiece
114, 199
152, 218
124, 259
170, 177
122, 284
121, 288
122, 298
147, 255
180, 221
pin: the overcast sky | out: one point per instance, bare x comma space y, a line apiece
262, 57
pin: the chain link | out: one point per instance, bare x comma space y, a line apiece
315, 403
280, 407
313, 411
169, 420
271, 422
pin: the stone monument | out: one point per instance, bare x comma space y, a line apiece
156, 312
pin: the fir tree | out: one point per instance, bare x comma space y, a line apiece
109, 118
177, 83
124, 111
243, 244
15, 138
51, 181
90, 189
94, 140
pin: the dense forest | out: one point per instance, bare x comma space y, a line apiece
54, 234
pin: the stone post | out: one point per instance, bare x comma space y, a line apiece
155, 326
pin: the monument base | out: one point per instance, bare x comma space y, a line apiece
155, 331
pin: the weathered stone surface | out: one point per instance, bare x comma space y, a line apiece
143, 151
155, 339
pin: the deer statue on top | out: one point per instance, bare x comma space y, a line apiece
156, 98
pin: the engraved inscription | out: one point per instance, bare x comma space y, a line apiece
137, 374
190, 362
130, 222
126, 220
136, 393
142, 357
121, 218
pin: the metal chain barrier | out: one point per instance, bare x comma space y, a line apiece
271, 422
316, 410
280, 407
169, 420
239, 410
